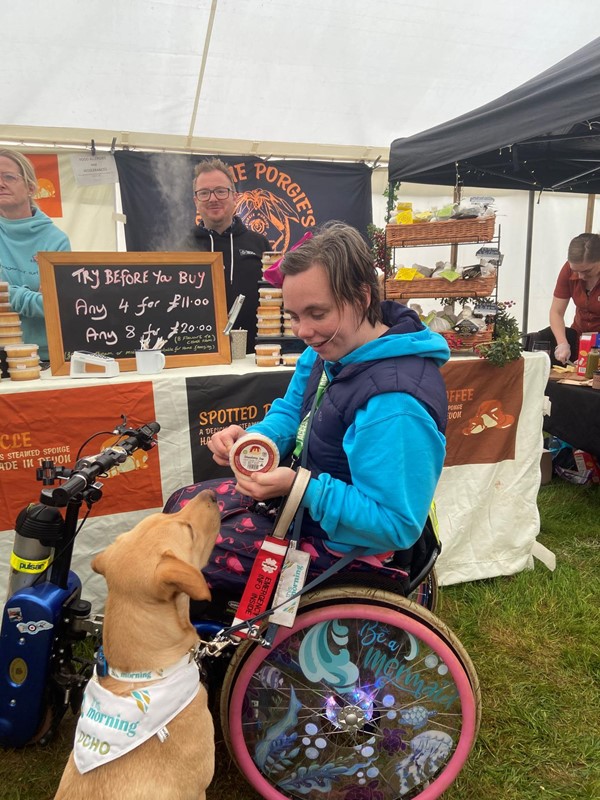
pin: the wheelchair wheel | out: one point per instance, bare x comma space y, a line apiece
383, 596
357, 695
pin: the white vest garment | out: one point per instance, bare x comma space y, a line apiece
110, 726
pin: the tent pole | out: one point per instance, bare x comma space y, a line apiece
528, 248
454, 247
205, 49
589, 214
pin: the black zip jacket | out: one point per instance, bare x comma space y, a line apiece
242, 251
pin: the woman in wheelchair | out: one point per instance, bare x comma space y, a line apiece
376, 443
367, 694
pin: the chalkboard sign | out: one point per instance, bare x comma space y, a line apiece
108, 303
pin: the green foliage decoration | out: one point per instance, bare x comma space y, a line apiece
382, 255
506, 346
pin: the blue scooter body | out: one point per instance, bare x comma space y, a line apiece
29, 627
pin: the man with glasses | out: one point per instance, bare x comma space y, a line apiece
221, 231
25, 231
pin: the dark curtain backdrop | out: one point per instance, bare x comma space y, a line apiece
219, 401
280, 199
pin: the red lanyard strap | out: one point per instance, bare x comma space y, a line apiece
268, 563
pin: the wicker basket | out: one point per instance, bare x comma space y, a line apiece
439, 287
452, 231
469, 340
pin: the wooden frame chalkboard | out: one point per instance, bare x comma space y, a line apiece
106, 303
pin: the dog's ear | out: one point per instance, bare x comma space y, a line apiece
175, 574
99, 563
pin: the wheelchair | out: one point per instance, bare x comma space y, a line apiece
368, 695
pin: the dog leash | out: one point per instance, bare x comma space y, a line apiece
224, 637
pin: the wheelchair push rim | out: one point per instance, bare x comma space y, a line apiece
353, 695
426, 593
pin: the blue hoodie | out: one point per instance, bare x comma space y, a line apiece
20, 242
394, 449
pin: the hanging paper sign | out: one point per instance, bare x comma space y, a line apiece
92, 170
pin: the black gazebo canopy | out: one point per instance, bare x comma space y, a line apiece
543, 135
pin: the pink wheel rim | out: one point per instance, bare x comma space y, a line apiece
364, 612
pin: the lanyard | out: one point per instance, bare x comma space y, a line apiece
301, 434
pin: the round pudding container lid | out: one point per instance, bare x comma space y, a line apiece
254, 452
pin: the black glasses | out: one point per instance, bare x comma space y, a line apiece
221, 193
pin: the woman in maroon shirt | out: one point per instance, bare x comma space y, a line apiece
578, 280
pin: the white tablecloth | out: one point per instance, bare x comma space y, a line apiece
487, 512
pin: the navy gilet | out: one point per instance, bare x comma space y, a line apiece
355, 384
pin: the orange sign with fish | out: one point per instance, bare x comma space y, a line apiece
48, 196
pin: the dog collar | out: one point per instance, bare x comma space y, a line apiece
103, 668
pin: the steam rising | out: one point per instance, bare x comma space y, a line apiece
174, 176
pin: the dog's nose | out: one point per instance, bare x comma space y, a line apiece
211, 495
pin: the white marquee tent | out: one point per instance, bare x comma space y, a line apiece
319, 79
316, 79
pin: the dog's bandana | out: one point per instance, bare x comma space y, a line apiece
110, 726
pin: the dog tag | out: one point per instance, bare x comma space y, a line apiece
293, 576
262, 581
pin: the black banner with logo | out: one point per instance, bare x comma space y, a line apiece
279, 199
216, 402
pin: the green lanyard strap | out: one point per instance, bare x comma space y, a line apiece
323, 384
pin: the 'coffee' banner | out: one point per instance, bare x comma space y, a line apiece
278, 199
484, 405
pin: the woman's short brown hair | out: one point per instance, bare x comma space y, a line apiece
348, 263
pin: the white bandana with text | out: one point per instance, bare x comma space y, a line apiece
110, 725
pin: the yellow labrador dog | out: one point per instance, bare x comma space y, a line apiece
145, 730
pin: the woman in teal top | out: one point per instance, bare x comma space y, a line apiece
25, 231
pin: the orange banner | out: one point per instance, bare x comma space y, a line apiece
484, 404
48, 196
70, 417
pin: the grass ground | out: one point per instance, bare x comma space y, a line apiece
535, 641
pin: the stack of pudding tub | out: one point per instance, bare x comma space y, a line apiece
268, 316
272, 322
18, 361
